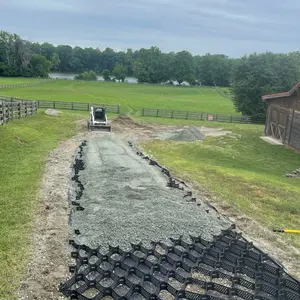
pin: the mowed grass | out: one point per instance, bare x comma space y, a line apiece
242, 170
17, 80
24, 145
131, 97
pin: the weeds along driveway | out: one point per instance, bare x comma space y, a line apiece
125, 200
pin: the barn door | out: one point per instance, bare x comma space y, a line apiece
278, 123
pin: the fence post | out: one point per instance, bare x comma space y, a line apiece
157, 113
5, 116
118, 108
53, 104
291, 127
72, 106
88, 107
231, 118
143, 112
187, 115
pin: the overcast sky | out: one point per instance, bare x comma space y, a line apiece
232, 27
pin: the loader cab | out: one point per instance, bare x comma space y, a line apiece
99, 113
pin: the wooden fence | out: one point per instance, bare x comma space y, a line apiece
76, 105
66, 105
10, 110
190, 115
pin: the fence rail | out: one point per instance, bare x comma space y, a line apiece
4, 86
66, 105
190, 115
16, 110
76, 105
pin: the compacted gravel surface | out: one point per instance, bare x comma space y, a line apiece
126, 200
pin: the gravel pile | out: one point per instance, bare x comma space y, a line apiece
127, 201
191, 133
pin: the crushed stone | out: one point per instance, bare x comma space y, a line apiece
127, 201
192, 133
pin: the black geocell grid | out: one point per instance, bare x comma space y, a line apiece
144, 273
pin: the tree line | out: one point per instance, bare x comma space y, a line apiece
19, 57
248, 77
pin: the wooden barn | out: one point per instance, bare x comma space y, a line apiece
283, 116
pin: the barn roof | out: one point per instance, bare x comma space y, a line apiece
280, 95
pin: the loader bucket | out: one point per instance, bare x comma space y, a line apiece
106, 128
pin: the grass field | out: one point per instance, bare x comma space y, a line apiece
17, 80
131, 97
244, 171
24, 145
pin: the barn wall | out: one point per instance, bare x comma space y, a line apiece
294, 140
285, 102
283, 116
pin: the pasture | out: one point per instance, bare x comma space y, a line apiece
17, 80
131, 97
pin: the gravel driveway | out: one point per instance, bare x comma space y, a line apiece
126, 200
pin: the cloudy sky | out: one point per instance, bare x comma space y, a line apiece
232, 27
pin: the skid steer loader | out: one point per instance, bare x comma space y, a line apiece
98, 119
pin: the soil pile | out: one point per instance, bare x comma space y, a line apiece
125, 121
189, 134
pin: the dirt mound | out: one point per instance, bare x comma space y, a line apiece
191, 133
125, 121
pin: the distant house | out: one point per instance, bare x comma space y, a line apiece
283, 116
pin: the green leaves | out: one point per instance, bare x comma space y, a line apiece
89, 76
260, 74
119, 72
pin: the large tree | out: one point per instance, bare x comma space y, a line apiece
184, 68
259, 74
119, 72
39, 66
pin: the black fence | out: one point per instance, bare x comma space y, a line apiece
190, 115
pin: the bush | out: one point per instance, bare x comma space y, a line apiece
89, 75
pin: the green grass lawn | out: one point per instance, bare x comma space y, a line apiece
244, 171
17, 80
24, 144
131, 97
